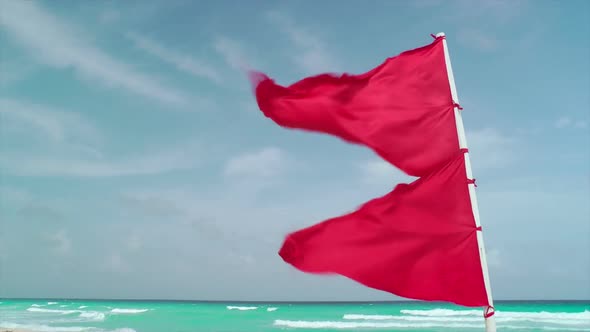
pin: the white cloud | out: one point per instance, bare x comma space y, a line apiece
58, 126
267, 162
62, 243
60, 45
563, 122
567, 122
501, 11
232, 52
13, 197
134, 242
182, 62
493, 258
155, 163
491, 149
380, 172
478, 39
15, 70
115, 262
109, 16
67, 144
312, 55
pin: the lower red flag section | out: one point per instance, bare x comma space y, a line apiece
419, 241
401, 109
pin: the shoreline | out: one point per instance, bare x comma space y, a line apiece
3, 329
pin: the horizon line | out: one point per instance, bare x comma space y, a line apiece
269, 301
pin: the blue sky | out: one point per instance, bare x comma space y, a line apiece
134, 162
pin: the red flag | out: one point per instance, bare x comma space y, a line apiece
419, 241
402, 109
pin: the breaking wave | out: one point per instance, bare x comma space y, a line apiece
368, 317
271, 309
45, 328
230, 307
93, 315
447, 318
560, 318
381, 325
358, 325
442, 312
53, 311
128, 311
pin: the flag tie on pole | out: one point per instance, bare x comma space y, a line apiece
490, 311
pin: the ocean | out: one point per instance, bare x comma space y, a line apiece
176, 316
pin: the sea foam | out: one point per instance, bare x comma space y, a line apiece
230, 307
128, 311
45, 328
359, 325
93, 315
402, 325
54, 311
444, 317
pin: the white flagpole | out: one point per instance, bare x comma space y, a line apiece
490, 322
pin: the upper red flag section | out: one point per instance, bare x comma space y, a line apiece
419, 241
402, 109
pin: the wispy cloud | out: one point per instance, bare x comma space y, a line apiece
115, 263
491, 149
62, 244
109, 16
15, 70
478, 39
26, 119
469, 16
494, 258
263, 163
501, 11
13, 197
40, 165
134, 242
182, 62
311, 55
380, 172
563, 122
232, 52
58, 44
567, 122
61, 143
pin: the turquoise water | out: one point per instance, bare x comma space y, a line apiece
162, 316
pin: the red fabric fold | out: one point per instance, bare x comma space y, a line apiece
419, 241
402, 109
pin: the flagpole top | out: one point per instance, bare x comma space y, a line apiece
440, 34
